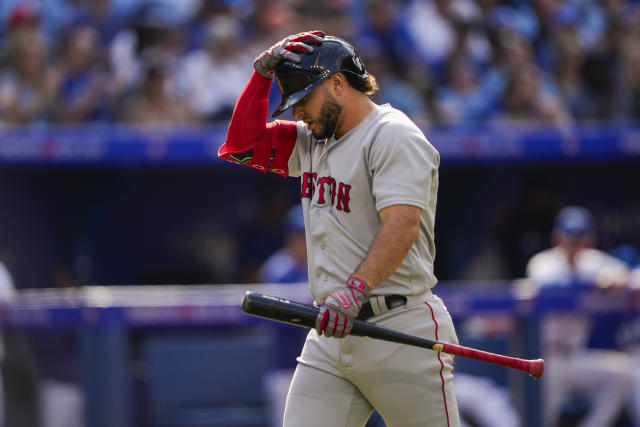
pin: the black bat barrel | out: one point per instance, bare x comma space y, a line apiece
279, 309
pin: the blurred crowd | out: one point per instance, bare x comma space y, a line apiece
440, 61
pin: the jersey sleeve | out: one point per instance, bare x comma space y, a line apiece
539, 270
253, 142
295, 162
403, 165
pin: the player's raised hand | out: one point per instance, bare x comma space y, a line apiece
288, 48
341, 308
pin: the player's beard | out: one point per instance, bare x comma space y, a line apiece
327, 123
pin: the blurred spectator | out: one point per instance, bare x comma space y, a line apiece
289, 264
331, 16
524, 101
587, 17
510, 52
154, 104
603, 376
461, 99
602, 72
84, 90
100, 15
153, 35
431, 28
568, 53
210, 78
198, 26
29, 84
519, 17
273, 19
396, 90
446, 31
23, 17
448, 61
53, 15
381, 28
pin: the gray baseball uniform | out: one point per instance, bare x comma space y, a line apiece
382, 161
385, 160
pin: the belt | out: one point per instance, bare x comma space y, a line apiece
378, 304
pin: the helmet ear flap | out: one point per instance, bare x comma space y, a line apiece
354, 64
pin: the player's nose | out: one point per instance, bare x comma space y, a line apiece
297, 112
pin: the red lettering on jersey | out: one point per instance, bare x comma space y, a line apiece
332, 190
343, 197
321, 182
307, 185
327, 190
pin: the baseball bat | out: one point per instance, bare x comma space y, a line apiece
295, 313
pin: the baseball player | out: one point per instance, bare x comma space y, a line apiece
603, 376
368, 185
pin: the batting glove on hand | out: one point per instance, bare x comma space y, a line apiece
286, 49
341, 308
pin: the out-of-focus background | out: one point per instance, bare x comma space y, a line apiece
125, 244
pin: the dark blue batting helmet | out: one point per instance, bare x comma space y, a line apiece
295, 81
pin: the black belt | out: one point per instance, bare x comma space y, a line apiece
392, 301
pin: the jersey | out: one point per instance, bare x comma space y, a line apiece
551, 267
385, 160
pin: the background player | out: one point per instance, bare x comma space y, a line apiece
369, 182
603, 376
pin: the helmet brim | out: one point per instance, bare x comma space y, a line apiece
289, 101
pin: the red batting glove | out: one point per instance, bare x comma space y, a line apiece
286, 49
341, 308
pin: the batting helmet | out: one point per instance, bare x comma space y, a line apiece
295, 81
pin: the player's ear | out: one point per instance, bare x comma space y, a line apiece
338, 83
